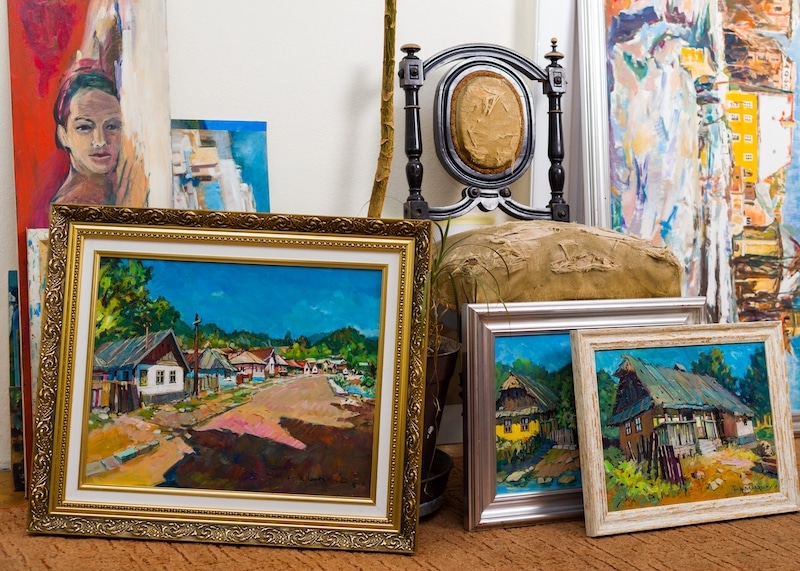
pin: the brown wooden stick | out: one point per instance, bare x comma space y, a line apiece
387, 114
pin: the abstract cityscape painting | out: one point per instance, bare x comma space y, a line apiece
220, 165
703, 150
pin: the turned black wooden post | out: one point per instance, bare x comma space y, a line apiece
554, 88
411, 79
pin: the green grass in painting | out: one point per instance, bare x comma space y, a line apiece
146, 413
630, 486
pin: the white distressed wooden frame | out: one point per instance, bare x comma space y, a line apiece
601, 521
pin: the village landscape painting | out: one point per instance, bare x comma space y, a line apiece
535, 422
234, 376
685, 424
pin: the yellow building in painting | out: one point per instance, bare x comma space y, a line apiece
524, 409
742, 117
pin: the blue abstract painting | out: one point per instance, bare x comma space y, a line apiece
220, 165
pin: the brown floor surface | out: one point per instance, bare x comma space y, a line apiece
765, 543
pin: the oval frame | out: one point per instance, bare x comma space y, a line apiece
446, 148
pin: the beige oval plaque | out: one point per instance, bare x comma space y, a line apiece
486, 122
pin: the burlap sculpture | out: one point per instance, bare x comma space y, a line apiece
552, 261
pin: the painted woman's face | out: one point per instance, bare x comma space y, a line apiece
93, 134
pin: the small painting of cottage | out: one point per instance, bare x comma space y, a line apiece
683, 424
535, 428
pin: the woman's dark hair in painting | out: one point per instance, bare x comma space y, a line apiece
86, 75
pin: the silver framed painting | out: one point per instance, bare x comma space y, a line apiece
520, 432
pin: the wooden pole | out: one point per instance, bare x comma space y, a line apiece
387, 114
196, 324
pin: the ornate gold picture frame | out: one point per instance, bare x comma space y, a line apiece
227, 377
683, 425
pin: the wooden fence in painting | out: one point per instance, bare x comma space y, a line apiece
118, 397
658, 461
564, 437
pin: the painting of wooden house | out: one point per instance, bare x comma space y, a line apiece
248, 366
304, 367
693, 413
525, 409
312, 367
212, 368
274, 364
294, 366
338, 365
151, 367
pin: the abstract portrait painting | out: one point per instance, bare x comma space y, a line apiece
87, 128
90, 109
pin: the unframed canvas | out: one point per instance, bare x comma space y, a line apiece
101, 61
683, 425
690, 123
255, 377
220, 165
520, 432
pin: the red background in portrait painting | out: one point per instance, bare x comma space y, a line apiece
43, 37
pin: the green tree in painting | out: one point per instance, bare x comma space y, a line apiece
521, 366
124, 308
752, 389
122, 289
607, 395
295, 351
755, 385
562, 384
713, 365
162, 315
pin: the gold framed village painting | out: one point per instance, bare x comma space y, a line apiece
230, 377
683, 425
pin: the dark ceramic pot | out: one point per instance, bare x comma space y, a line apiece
436, 464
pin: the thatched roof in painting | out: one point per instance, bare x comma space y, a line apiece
522, 395
676, 388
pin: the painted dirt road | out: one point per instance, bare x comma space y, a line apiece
291, 436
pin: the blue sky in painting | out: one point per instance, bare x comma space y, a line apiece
271, 299
551, 351
737, 356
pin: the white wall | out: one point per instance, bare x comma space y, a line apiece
312, 70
